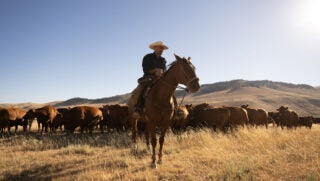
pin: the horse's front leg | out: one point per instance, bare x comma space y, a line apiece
154, 144
134, 125
147, 137
161, 141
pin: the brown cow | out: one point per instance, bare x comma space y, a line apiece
316, 120
306, 121
118, 117
273, 117
257, 117
1, 122
63, 110
288, 117
206, 115
82, 116
58, 121
106, 117
12, 117
44, 115
238, 117
180, 123
192, 122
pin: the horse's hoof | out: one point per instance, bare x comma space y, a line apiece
153, 165
149, 150
134, 146
159, 162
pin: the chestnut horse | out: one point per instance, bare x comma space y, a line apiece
159, 107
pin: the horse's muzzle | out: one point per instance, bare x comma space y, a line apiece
193, 85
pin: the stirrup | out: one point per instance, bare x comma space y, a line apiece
136, 115
137, 112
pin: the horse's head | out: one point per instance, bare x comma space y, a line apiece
187, 74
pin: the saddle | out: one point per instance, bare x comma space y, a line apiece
148, 81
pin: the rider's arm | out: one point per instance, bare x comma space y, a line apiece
152, 67
147, 64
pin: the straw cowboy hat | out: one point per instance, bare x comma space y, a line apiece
158, 44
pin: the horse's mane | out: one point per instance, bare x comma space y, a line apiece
169, 67
175, 62
171, 64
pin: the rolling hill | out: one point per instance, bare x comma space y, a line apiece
265, 94
269, 95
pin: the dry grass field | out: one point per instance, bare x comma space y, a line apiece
248, 154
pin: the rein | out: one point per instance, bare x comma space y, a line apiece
184, 95
181, 87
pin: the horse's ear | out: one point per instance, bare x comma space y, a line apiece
177, 57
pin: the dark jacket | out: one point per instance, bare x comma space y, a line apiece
151, 61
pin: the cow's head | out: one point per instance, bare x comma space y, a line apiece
282, 108
245, 106
189, 108
57, 121
30, 114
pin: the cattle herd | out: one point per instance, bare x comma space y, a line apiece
223, 118
116, 118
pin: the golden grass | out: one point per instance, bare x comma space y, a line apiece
249, 154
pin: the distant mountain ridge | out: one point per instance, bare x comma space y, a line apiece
78, 101
205, 89
238, 83
235, 84
261, 93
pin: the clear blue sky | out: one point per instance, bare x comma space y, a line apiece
59, 49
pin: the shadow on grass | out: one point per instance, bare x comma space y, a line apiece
33, 141
45, 172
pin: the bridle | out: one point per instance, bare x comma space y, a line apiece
181, 87
186, 89
190, 81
